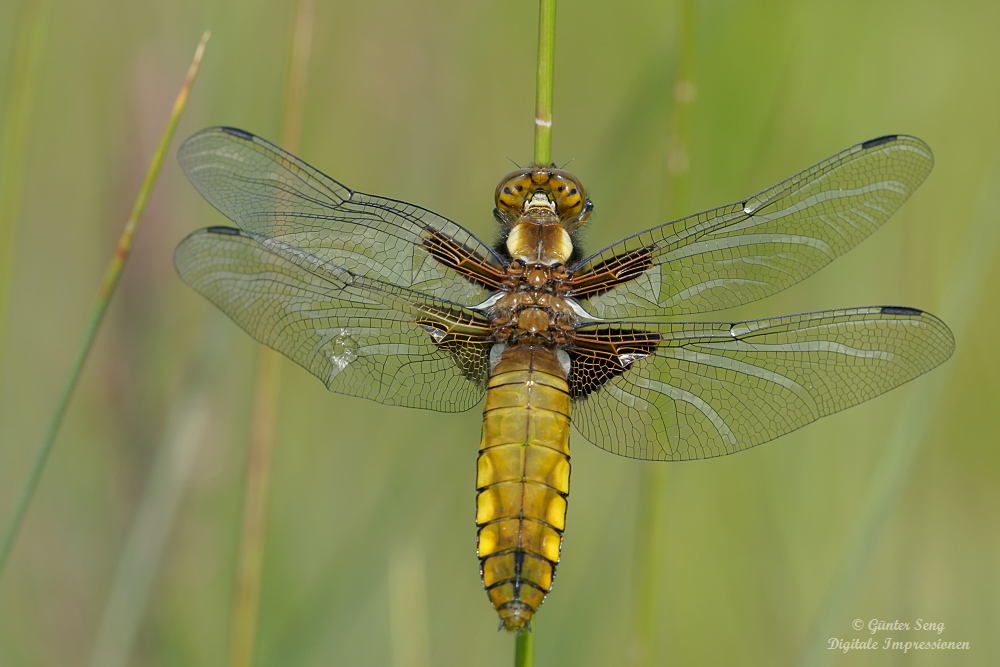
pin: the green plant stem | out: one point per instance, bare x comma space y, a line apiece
678, 167
524, 647
15, 130
409, 630
246, 602
111, 277
646, 579
653, 481
524, 650
187, 426
544, 81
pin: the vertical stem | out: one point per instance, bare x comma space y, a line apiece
544, 81
111, 277
186, 428
678, 167
15, 130
648, 562
409, 627
298, 68
524, 651
651, 520
246, 602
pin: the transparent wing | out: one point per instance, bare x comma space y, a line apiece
754, 248
271, 194
711, 389
359, 336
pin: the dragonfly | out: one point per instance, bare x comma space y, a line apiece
385, 300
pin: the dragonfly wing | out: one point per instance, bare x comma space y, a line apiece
682, 391
753, 248
271, 194
361, 337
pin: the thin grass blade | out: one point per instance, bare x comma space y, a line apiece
651, 529
15, 131
246, 601
187, 427
111, 277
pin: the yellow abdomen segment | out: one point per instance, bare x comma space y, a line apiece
523, 481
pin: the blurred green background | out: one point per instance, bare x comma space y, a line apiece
370, 555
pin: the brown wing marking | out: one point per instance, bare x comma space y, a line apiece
462, 259
602, 354
466, 339
611, 273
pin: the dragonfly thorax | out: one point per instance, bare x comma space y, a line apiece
533, 306
537, 240
385, 300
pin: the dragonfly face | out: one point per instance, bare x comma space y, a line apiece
388, 301
542, 187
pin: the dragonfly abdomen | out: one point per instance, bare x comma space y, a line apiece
523, 480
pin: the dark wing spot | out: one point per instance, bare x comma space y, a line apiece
461, 259
236, 132
470, 353
901, 310
878, 141
507, 191
227, 231
602, 354
611, 272
572, 192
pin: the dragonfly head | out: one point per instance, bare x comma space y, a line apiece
540, 189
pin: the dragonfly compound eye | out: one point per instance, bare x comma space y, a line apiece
383, 300
571, 202
513, 191
562, 191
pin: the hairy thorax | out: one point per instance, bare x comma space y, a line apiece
540, 207
532, 306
